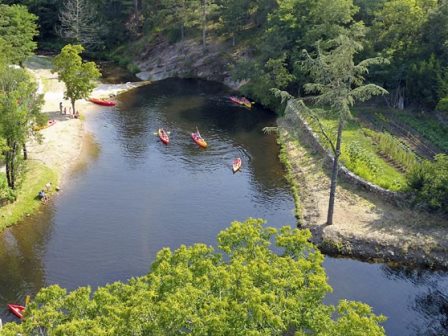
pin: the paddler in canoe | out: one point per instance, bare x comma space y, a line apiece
198, 139
241, 101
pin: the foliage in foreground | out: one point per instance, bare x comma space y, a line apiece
429, 181
244, 288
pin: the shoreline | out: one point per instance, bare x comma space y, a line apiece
61, 144
366, 227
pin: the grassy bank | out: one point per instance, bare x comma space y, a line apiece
35, 177
283, 156
362, 155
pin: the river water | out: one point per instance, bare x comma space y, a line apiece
131, 195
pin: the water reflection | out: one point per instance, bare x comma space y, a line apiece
431, 302
22, 269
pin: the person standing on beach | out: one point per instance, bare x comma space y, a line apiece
60, 107
65, 110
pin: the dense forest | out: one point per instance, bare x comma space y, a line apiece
411, 34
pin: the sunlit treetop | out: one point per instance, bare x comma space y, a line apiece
260, 281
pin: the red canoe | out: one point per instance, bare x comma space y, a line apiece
17, 310
102, 102
164, 136
198, 139
241, 101
236, 165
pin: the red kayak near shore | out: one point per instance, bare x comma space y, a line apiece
163, 135
17, 310
102, 102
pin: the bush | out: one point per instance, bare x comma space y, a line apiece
442, 106
429, 181
7, 195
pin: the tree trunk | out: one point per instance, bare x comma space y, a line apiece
204, 23
334, 174
12, 170
25, 152
7, 165
73, 106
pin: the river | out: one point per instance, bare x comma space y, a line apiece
131, 195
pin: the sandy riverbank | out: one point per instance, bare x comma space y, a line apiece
61, 143
365, 226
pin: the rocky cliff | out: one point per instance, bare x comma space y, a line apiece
187, 59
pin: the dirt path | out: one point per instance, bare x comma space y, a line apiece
364, 226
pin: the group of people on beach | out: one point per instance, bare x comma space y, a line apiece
63, 110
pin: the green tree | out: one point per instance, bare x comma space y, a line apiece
338, 83
77, 75
234, 17
293, 25
243, 288
397, 34
18, 28
19, 112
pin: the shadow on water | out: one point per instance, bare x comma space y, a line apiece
22, 270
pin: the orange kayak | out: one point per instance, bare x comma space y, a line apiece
236, 165
198, 139
164, 136
17, 310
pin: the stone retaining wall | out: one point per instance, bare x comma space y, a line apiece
312, 139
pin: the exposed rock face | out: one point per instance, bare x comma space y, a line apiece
186, 59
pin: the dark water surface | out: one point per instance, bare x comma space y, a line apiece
132, 195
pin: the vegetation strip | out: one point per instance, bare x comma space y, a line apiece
35, 178
295, 187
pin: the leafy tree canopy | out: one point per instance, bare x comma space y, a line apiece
243, 288
18, 28
19, 111
77, 75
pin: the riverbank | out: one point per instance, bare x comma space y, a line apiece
60, 145
365, 226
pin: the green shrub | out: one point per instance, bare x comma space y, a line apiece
7, 195
442, 106
429, 181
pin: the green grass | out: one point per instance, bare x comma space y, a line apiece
360, 155
36, 175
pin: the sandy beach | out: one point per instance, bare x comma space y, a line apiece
60, 144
